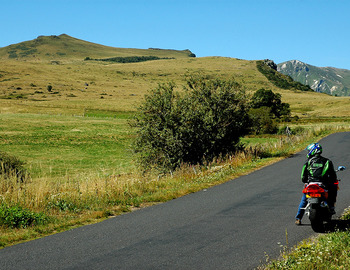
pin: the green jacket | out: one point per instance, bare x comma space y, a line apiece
318, 169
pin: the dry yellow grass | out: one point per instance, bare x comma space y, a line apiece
120, 87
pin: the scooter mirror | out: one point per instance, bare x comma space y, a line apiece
341, 168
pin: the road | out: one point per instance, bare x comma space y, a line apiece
230, 226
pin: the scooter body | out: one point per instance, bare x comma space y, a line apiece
317, 207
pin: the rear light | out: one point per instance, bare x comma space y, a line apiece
313, 195
314, 191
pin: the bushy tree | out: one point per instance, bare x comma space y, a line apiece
266, 108
267, 98
262, 121
206, 120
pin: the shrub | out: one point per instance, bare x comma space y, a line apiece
12, 166
204, 122
63, 205
267, 98
49, 88
262, 121
18, 217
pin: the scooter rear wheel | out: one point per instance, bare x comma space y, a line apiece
316, 220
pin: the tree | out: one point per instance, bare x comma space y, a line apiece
267, 98
262, 121
205, 121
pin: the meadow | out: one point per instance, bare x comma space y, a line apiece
89, 85
60, 145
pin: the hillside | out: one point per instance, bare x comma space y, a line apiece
67, 47
52, 77
327, 80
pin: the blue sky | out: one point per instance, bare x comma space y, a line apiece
312, 31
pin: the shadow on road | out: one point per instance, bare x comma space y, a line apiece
338, 225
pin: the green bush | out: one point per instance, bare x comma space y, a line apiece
262, 121
266, 109
204, 122
267, 98
63, 205
12, 166
18, 217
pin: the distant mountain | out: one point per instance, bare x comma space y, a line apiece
67, 47
333, 81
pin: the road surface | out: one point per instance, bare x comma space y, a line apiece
230, 226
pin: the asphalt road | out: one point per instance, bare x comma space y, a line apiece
230, 226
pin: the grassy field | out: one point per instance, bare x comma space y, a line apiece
60, 145
121, 87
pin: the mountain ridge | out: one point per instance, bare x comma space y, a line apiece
329, 80
64, 46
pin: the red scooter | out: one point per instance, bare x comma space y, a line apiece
317, 207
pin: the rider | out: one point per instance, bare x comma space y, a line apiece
318, 169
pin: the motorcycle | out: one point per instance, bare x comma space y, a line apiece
317, 207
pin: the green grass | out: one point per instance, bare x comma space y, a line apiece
66, 145
258, 140
17, 217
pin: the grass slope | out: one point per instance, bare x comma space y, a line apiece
78, 85
67, 47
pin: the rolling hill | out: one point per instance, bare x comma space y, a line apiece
50, 75
67, 47
329, 80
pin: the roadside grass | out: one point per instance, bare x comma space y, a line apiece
84, 196
329, 251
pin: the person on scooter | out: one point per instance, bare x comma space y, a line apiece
318, 169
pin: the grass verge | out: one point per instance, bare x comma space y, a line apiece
326, 252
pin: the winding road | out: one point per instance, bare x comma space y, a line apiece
231, 226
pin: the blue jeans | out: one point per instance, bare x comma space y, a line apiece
302, 204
